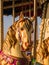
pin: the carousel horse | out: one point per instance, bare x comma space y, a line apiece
43, 47
17, 41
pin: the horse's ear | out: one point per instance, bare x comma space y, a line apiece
21, 16
32, 18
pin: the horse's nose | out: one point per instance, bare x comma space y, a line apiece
26, 44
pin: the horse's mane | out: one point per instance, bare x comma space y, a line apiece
10, 39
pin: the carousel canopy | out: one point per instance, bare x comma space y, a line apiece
21, 5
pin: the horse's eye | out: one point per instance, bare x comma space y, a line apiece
21, 28
32, 31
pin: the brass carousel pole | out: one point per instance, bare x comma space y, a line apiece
13, 12
29, 10
35, 28
1, 24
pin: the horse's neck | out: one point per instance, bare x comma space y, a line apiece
16, 51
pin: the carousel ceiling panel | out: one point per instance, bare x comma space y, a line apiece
19, 5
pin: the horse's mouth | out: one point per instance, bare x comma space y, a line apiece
25, 46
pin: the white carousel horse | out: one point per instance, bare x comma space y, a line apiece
17, 40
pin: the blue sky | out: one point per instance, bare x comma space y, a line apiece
8, 22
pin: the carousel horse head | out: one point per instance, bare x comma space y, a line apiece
23, 32
19, 33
